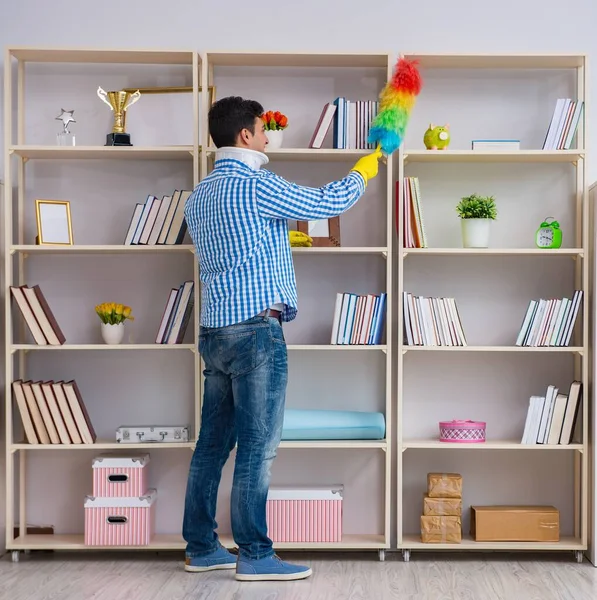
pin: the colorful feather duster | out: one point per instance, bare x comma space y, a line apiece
397, 100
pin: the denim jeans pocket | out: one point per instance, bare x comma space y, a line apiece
238, 351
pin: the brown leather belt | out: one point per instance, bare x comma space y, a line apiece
276, 314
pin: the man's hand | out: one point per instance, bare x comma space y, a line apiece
298, 238
367, 166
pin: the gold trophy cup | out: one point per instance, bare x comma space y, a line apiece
118, 102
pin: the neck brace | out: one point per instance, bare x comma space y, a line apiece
252, 158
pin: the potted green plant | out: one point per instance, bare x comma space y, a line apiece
476, 214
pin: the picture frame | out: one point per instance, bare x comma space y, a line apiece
54, 225
324, 232
180, 89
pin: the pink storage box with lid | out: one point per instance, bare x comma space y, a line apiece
462, 432
120, 521
120, 475
305, 514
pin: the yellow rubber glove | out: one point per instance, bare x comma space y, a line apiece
297, 238
367, 166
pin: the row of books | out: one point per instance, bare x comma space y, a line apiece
53, 412
38, 315
177, 314
432, 321
563, 125
413, 229
550, 322
158, 221
551, 419
351, 122
358, 319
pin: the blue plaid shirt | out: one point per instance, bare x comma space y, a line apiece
237, 219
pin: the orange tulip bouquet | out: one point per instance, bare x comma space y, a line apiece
275, 123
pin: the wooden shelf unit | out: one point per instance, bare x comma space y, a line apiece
581, 344
17, 156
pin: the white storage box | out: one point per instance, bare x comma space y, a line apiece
120, 521
118, 475
305, 514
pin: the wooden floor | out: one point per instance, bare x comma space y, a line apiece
335, 577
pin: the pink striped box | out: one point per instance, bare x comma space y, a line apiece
310, 514
120, 521
116, 476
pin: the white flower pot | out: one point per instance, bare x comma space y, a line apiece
112, 334
475, 233
275, 138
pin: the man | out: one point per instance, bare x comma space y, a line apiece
237, 218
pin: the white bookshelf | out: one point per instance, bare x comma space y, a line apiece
22, 156
472, 373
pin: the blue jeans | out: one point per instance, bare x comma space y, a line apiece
246, 371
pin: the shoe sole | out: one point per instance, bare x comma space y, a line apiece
191, 569
273, 576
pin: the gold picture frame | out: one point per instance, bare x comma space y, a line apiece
330, 236
54, 225
181, 89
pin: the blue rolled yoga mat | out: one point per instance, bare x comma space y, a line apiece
302, 424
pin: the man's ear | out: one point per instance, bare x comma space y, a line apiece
245, 135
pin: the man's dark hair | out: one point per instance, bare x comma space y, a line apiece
228, 116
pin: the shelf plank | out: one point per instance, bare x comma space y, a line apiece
413, 542
498, 61
65, 347
525, 156
176, 542
104, 445
309, 154
577, 349
340, 250
103, 152
493, 252
81, 55
336, 347
102, 249
294, 59
488, 445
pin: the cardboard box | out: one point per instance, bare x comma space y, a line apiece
442, 507
515, 523
441, 530
444, 485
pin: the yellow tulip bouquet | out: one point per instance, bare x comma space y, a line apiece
111, 313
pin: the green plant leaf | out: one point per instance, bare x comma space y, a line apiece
477, 207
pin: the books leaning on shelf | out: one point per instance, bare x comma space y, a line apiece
563, 125
358, 319
38, 315
177, 313
432, 321
551, 419
157, 221
351, 121
413, 233
53, 412
549, 322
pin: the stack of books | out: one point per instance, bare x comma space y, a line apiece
563, 125
551, 419
177, 313
413, 229
351, 122
358, 319
549, 322
37, 314
53, 412
159, 221
432, 322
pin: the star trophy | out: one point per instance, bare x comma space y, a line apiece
118, 102
65, 137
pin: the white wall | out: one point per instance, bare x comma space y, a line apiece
458, 26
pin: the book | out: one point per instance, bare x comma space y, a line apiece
358, 319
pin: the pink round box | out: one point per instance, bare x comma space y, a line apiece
462, 432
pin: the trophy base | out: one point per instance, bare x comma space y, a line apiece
118, 139
65, 139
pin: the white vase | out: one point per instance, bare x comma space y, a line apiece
275, 138
475, 233
112, 334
